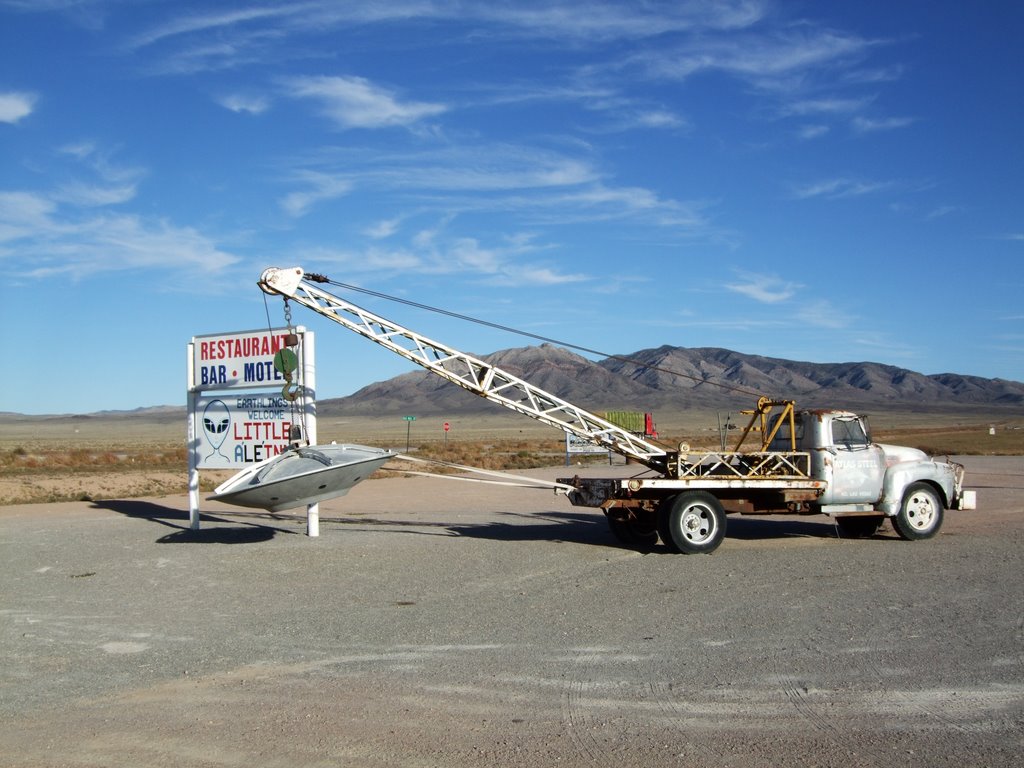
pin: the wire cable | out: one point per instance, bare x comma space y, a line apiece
508, 329
517, 481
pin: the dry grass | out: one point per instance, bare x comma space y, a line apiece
64, 461
51, 458
958, 441
54, 474
50, 473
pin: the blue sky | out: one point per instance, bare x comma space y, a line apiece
815, 181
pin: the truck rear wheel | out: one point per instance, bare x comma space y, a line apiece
859, 526
920, 514
640, 534
692, 523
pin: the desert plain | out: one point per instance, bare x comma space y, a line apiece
437, 622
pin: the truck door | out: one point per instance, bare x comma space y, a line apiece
857, 464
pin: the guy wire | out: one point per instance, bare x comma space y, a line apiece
509, 329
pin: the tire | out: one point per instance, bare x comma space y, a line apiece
920, 515
859, 526
692, 523
634, 534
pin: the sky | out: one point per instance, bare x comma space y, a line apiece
815, 181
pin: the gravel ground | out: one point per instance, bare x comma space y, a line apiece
440, 623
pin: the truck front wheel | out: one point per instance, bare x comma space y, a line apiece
693, 522
920, 515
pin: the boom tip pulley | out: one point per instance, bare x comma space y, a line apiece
281, 282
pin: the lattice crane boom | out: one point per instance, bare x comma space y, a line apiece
469, 372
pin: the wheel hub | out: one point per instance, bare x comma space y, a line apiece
920, 513
695, 525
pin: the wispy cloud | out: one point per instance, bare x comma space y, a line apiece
767, 289
528, 186
608, 21
622, 110
761, 59
893, 349
536, 276
658, 118
627, 116
108, 181
383, 229
433, 251
102, 163
76, 228
319, 187
826, 106
374, 260
552, 173
943, 211
873, 125
869, 75
808, 132
499, 265
239, 102
187, 41
94, 196
16, 106
355, 102
554, 19
801, 69
838, 188
22, 214
45, 238
794, 59
821, 313
490, 167
602, 201
88, 14
190, 23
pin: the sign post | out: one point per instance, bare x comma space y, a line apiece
447, 426
229, 425
408, 430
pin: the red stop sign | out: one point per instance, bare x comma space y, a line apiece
447, 426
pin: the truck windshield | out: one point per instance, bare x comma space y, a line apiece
849, 433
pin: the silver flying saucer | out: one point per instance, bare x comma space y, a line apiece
301, 476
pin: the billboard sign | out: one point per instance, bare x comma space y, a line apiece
232, 427
236, 429
576, 444
241, 360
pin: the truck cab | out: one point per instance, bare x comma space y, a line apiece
866, 482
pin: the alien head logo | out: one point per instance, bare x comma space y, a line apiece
216, 421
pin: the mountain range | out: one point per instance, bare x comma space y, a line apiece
665, 378
680, 378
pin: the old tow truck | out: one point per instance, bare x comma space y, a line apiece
809, 462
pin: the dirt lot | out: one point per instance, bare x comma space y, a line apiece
437, 622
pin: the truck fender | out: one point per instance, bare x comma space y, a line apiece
899, 477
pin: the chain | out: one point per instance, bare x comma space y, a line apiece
291, 392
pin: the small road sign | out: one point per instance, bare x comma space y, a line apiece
408, 430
